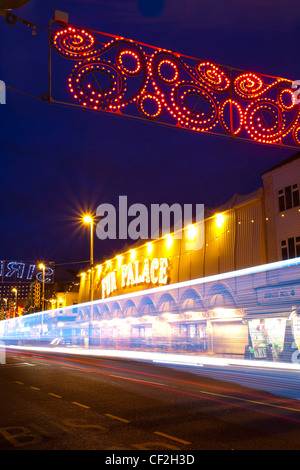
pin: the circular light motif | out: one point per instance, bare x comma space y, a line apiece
296, 134
286, 99
193, 107
167, 71
212, 77
97, 84
74, 43
235, 112
127, 58
249, 86
264, 121
150, 106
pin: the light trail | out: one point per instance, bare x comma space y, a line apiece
199, 394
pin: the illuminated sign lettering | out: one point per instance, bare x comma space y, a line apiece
16, 270
137, 273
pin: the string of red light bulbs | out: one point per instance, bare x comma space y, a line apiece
124, 76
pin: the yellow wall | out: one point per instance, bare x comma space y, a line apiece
234, 240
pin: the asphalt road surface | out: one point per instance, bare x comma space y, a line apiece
52, 401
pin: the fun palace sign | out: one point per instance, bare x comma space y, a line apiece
149, 272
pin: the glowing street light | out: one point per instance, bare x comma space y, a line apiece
191, 232
88, 220
220, 220
43, 267
15, 291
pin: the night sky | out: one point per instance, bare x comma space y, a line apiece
59, 161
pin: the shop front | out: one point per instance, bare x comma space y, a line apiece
274, 324
267, 336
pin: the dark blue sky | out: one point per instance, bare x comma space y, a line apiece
56, 161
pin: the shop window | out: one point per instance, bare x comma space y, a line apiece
290, 248
288, 197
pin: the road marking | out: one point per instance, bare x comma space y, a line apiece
251, 401
20, 383
117, 417
59, 426
171, 437
54, 395
80, 404
35, 388
19, 364
38, 428
134, 380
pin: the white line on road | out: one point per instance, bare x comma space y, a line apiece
117, 417
80, 404
171, 437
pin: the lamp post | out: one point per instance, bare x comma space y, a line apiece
42, 266
88, 220
16, 301
5, 300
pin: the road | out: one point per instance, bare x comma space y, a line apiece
52, 401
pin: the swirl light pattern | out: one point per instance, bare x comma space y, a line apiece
125, 77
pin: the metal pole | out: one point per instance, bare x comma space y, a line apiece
43, 299
92, 280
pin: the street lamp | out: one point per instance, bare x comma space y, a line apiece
88, 220
16, 301
43, 267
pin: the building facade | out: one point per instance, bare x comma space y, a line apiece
227, 318
235, 295
234, 238
282, 208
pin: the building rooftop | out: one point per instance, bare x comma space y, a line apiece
288, 160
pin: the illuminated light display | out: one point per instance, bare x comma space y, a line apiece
182, 318
231, 105
220, 220
296, 134
16, 270
154, 113
125, 77
146, 272
136, 273
74, 43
